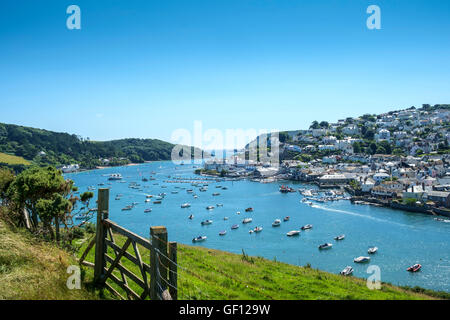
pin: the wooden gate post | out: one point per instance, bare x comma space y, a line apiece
158, 238
173, 271
100, 244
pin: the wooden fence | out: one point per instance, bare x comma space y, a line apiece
157, 279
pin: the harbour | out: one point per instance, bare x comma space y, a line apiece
402, 238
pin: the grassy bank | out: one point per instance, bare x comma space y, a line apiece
12, 160
34, 270
212, 274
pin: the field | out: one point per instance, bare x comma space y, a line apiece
12, 160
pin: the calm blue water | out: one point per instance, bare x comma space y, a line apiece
402, 238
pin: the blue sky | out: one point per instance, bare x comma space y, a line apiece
146, 68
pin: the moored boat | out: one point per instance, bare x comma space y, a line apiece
341, 237
206, 222
414, 268
307, 227
276, 223
210, 208
325, 246
249, 210
147, 210
286, 219
372, 250
347, 271
361, 259
234, 227
185, 205
222, 233
247, 220
258, 229
293, 233
199, 239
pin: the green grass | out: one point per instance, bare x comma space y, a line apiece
31, 269
216, 275
12, 160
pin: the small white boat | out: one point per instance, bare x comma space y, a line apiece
251, 231
234, 227
372, 250
216, 194
185, 205
293, 233
276, 223
247, 220
147, 210
222, 233
286, 219
238, 212
258, 229
206, 222
325, 246
225, 218
210, 208
199, 239
341, 237
347, 271
361, 259
219, 205
307, 227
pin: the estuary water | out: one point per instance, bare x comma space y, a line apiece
403, 238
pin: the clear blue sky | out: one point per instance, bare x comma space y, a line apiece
145, 68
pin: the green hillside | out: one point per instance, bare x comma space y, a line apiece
54, 148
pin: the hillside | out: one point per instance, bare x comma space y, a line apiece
34, 270
207, 274
47, 147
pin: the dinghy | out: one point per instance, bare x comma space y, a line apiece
293, 233
341, 237
325, 246
414, 268
372, 250
199, 239
307, 227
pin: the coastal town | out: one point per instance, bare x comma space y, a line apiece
399, 159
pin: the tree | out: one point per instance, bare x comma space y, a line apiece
356, 147
48, 199
324, 124
314, 125
283, 136
6, 178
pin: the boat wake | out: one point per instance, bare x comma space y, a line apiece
359, 215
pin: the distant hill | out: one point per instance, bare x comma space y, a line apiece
47, 147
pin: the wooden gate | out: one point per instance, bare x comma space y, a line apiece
157, 280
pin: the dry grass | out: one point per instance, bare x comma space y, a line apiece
34, 270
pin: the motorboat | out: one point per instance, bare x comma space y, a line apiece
276, 223
147, 200
372, 250
341, 237
199, 239
347, 271
286, 219
307, 227
293, 233
219, 205
361, 259
258, 229
210, 208
249, 210
185, 205
157, 202
127, 208
115, 176
216, 194
250, 231
147, 210
247, 220
238, 212
189, 191
206, 222
234, 227
222, 233
225, 218
414, 268
224, 188
325, 246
